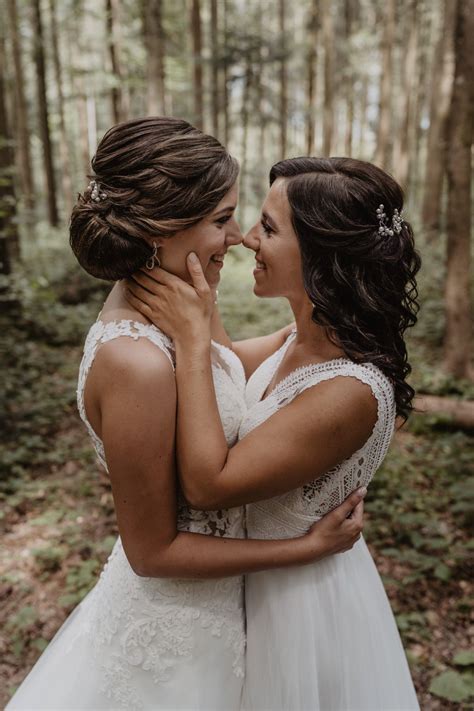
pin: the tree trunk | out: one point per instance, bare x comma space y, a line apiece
63, 142
442, 68
9, 243
215, 69
425, 36
401, 159
116, 92
364, 100
43, 114
328, 41
311, 73
349, 76
22, 130
283, 78
225, 76
460, 129
459, 412
382, 154
198, 88
155, 52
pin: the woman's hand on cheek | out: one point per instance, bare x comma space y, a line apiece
181, 310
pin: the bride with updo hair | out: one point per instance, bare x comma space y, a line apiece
164, 627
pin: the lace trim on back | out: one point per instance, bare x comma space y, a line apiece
100, 333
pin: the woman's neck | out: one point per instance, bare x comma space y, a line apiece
117, 308
310, 336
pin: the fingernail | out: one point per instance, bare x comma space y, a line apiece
192, 256
362, 491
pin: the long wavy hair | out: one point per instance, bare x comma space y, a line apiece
362, 283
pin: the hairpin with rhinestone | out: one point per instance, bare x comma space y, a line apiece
385, 229
96, 194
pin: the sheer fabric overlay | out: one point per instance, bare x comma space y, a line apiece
321, 636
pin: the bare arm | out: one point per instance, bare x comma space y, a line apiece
320, 428
134, 391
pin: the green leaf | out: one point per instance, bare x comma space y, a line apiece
442, 572
40, 644
450, 685
464, 658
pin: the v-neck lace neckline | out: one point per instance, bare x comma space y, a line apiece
280, 384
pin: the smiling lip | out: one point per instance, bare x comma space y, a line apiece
218, 259
260, 266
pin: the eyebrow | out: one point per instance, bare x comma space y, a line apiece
229, 208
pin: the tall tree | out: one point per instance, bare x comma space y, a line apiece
43, 113
349, 17
385, 87
422, 81
63, 140
442, 68
401, 155
21, 111
111, 11
215, 58
328, 41
9, 244
198, 85
460, 134
311, 75
152, 14
225, 74
283, 78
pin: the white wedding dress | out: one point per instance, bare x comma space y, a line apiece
321, 637
150, 643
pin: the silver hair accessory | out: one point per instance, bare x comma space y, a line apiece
385, 229
153, 260
96, 194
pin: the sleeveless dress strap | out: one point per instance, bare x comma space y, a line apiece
367, 373
100, 333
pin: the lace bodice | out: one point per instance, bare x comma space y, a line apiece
229, 383
292, 513
150, 626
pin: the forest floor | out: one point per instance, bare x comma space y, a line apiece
57, 519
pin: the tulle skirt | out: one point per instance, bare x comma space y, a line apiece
323, 637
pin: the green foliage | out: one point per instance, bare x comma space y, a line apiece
49, 559
453, 686
79, 581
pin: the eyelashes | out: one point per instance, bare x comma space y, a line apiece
223, 220
266, 228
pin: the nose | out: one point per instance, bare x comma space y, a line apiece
251, 239
233, 233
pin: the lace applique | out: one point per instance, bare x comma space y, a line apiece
292, 513
150, 623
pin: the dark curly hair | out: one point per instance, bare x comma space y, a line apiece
362, 283
160, 175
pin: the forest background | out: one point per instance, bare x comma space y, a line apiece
387, 81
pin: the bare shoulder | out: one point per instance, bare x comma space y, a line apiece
133, 362
342, 409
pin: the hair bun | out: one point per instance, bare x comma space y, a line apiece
102, 250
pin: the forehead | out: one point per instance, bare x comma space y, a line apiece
276, 203
229, 199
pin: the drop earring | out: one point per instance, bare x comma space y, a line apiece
154, 259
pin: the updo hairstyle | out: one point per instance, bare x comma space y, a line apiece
160, 175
